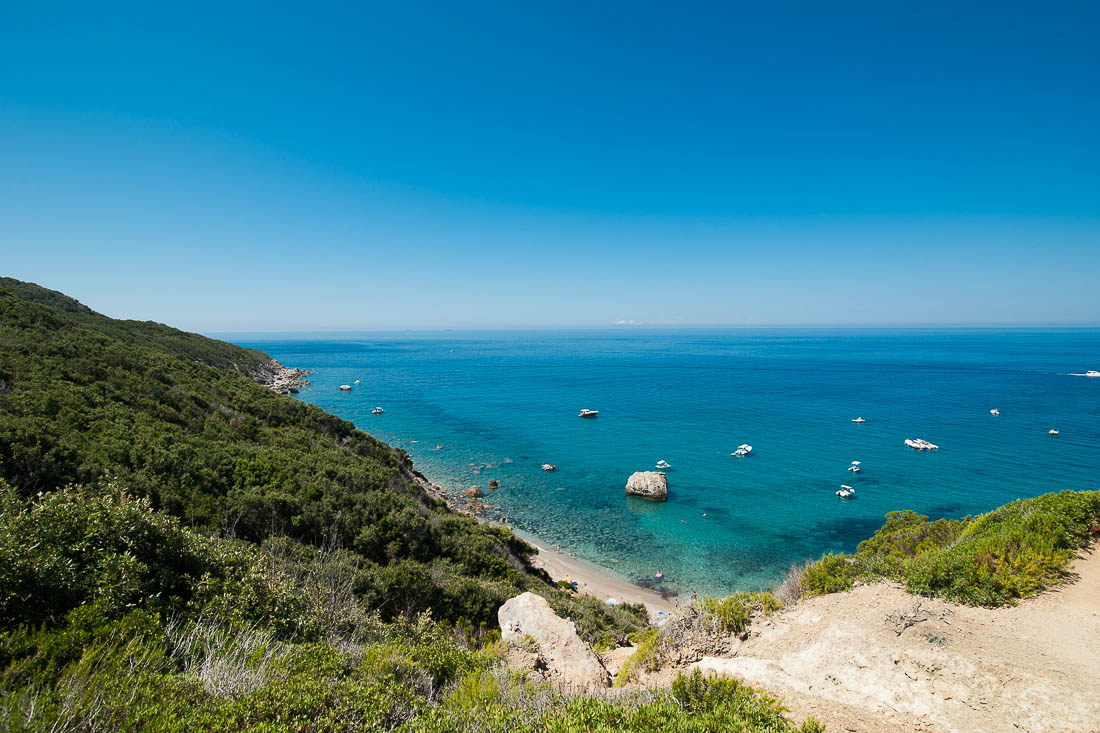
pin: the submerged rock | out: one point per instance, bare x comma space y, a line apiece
528, 623
648, 484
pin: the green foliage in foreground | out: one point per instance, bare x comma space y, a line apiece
1012, 552
733, 613
114, 616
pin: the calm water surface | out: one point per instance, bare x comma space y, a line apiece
502, 403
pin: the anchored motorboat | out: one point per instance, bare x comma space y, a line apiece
994, 411
920, 444
1092, 373
858, 419
664, 464
377, 411
345, 387
1052, 431
846, 491
589, 413
856, 467
548, 467
742, 450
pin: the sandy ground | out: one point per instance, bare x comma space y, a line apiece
598, 582
879, 659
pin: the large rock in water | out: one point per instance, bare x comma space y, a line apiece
648, 484
527, 622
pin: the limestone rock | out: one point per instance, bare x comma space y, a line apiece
527, 622
648, 484
473, 492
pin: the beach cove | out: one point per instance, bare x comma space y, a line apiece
471, 408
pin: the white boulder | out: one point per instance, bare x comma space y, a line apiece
527, 622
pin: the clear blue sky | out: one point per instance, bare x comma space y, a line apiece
404, 165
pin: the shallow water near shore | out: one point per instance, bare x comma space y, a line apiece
502, 403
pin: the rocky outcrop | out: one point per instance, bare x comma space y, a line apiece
279, 378
474, 492
548, 644
648, 485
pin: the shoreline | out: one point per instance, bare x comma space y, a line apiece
591, 579
598, 582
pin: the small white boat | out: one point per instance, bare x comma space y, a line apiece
357, 381
742, 450
858, 419
588, 413
1052, 431
919, 444
377, 411
856, 467
846, 491
994, 411
548, 467
345, 387
664, 464
1092, 373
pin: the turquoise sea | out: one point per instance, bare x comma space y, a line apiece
502, 403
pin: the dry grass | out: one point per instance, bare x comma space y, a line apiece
226, 663
790, 588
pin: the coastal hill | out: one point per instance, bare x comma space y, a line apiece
183, 546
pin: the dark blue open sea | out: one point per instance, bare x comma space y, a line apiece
502, 403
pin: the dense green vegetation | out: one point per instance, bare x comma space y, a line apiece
1010, 553
183, 549
172, 416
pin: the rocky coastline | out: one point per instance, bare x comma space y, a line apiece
281, 379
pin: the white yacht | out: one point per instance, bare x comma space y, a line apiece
548, 467
919, 444
1092, 373
846, 491
858, 419
742, 450
377, 411
856, 467
345, 387
1052, 431
585, 412
994, 411
663, 464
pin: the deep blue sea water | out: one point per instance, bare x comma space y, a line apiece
502, 403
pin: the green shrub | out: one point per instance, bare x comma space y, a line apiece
1009, 553
831, 574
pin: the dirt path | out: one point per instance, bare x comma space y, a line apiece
879, 659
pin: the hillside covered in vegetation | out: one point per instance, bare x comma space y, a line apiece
182, 548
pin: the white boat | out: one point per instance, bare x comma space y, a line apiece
548, 467
856, 467
742, 450
858, 419
1052, 431
846, 491
345, 387
1092, 373
919, 444
994, 411
664, 464
377, 411
357, 381
588, 413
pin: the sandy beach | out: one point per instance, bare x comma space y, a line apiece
595, 581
